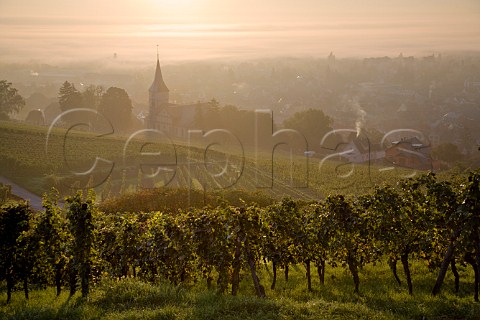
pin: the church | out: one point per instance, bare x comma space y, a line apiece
172, 119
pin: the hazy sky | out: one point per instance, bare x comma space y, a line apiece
55, 30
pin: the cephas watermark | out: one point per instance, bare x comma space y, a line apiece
218, 159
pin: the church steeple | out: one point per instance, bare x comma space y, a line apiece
159, 97
158, 84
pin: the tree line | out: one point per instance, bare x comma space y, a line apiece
114, 103
251, 127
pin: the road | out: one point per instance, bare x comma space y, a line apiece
34, 200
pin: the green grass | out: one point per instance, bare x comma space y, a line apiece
380, 298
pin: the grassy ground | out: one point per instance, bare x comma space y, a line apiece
380, 298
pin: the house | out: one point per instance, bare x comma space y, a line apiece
360, 150
410, 153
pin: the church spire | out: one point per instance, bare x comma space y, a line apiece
158, 84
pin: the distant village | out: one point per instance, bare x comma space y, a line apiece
436, 96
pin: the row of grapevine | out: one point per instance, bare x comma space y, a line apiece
47, 248
421, 218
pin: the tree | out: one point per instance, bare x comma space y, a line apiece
312, 123
117, 107
69, 97
10, 101
447, 152
92, 95
212, 118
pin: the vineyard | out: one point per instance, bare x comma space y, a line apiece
38, 159
221, 222
420, 219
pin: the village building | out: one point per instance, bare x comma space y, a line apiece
411, 153
172, 119
361, 150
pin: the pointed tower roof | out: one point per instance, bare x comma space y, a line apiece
158, 84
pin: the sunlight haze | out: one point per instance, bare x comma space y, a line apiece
203, 29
